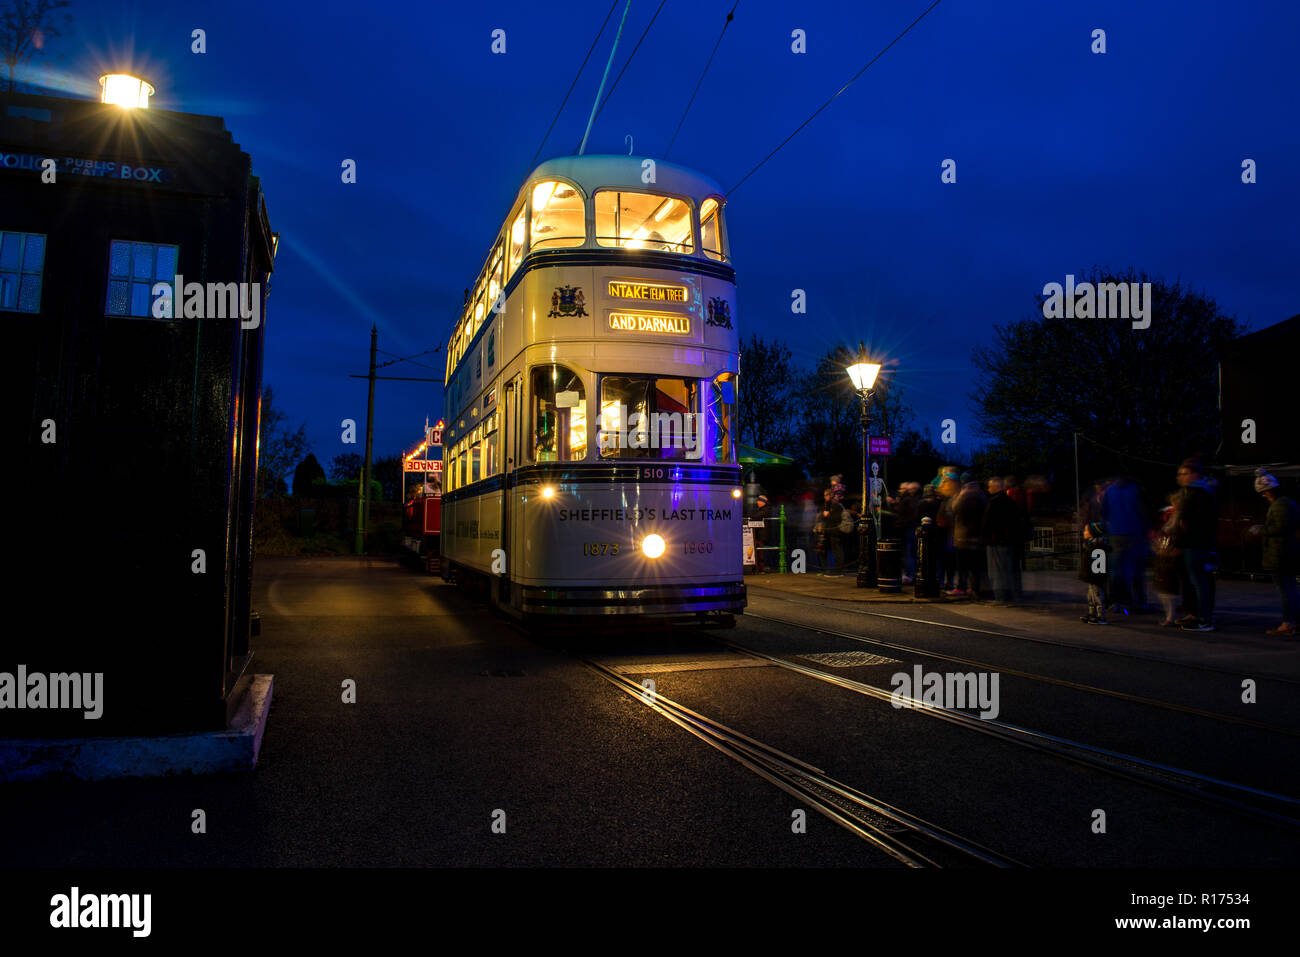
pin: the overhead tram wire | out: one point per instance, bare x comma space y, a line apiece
832, 99
626, 63
542, 144
727, 23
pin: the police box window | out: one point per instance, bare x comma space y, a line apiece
133, 268
22, 259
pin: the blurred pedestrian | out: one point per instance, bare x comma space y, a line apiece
1197, 539
849, 518
967, 517
947, 554
806, 520
907, 516
1094, 562
1281, 549
1002, 530
830, 544
1121, 512
837, 489
1168, 563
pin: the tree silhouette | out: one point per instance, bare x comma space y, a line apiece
764, 411
1145, 393
26, 26
278, 448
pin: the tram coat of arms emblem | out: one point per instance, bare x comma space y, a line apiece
567, 301
719, 312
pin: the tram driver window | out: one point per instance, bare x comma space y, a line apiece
722, 408
559, 216
559, 415
649, 417
643, 221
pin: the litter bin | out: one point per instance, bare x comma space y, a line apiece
889, 565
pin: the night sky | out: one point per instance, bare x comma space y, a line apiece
1065, 159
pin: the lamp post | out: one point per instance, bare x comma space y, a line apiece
863, 375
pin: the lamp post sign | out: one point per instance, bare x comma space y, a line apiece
880, 446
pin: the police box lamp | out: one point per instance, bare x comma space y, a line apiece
864, 375
124, 90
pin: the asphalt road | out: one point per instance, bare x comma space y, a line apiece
460, 716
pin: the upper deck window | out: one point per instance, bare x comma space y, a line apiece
559, 216
518, 243
643, 221
711, 229
494, 278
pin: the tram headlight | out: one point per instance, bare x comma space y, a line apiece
653, 545
735, 493
548, 491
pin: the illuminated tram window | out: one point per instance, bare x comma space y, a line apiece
559, 415
667, 411
643, 221
559, 216
518, 243
711, 229
494, 277
722, 407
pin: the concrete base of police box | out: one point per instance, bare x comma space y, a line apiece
95, 759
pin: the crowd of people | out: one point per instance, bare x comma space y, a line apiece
980, 530
1184, 540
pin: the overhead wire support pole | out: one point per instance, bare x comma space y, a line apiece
363, 510
608, 63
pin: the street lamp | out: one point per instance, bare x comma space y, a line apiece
863, 376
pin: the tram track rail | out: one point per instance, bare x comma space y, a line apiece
908, 839
1191, 666
1033, 676
1279, 810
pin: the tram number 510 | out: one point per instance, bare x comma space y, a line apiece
698, 548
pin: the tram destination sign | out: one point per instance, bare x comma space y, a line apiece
646, 291
643, 322
422, 465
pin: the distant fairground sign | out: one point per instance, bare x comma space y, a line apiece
880, 446
423, 465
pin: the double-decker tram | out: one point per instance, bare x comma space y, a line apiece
590, 457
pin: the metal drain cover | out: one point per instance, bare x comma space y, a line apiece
848, 659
